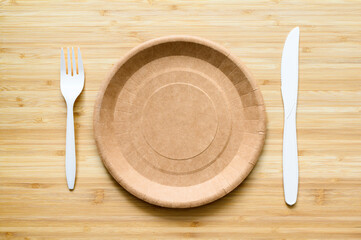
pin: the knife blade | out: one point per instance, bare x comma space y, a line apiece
289, 89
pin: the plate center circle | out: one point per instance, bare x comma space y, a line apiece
179, 121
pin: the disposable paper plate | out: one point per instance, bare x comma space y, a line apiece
179, 122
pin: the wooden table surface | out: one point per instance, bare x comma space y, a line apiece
34, 200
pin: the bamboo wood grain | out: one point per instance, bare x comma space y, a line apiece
34, 200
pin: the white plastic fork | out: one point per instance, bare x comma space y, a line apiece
71, 85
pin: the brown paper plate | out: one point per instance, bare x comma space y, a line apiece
179, 122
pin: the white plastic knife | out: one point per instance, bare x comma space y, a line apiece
289, 89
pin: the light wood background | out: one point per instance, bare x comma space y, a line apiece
34, 200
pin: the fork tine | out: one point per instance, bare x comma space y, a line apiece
80, 64
69, 64
74, 62
62, 64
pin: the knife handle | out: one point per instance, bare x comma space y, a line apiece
290, 158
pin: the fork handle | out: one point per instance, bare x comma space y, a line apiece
70, 159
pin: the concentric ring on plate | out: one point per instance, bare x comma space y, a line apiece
179, 122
